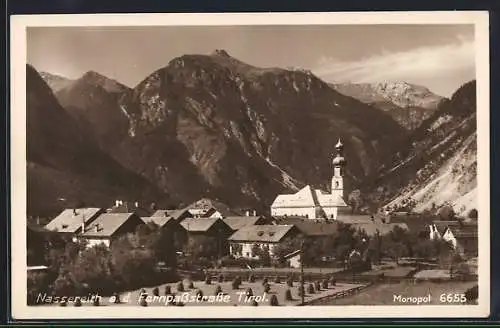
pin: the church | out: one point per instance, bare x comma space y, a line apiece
314, 203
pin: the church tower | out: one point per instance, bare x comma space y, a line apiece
338, 171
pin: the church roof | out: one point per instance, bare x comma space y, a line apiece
307, 197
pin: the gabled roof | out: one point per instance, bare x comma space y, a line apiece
308, 197
129, 207
371, 229
164, 212
107, 224
206, 203
261, 233
238, 222
201, 224
70, 220
161, 221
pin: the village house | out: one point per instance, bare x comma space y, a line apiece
378, 228
203, 228
244, 242
70, 221
238, 222
109, 226
178, 215
315, 203
170, 226
463, 236
293, 259
207, 208
121, 206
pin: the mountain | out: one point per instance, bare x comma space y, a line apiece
92, 101
64, 162
213, 126
438, 162
408, 104
55, 82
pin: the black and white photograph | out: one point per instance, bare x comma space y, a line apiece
162, 162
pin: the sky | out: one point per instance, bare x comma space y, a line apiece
439, 57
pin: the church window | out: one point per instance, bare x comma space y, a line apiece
336, 184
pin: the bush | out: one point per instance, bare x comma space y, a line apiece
254, 303
472, 294
97, 301
156, 291
143, 302
277, 279
117, 298
288, 295
180, 287
238, 280
218, 290
208, 280
267, 288
190, 285
324, 284
265, 281
199, 293
168, 290
78, 302
234, 284
273, 301
63, 303
310, 289
249, 292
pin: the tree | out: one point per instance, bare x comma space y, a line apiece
95, 269
354, 199
446, 213
473, 214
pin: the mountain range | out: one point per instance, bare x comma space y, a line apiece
408, 104
213, 126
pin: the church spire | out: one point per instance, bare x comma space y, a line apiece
339, 163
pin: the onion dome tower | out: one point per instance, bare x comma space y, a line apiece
339, 163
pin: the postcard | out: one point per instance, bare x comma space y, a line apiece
185, 166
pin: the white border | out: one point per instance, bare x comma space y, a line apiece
18, 164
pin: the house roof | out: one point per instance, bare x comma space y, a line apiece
238, 222
129, 207
206, 204
267, 233
200, 224
371, 229
107, 224
308, 197
164, 213
464, 231
356, 219
292, 254
161, 221
317, 228
68, 221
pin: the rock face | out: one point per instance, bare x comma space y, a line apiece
92, 101
64, 162
213, 126
408, 104
437, 164
55, 82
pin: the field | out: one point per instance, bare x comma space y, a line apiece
383, 294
